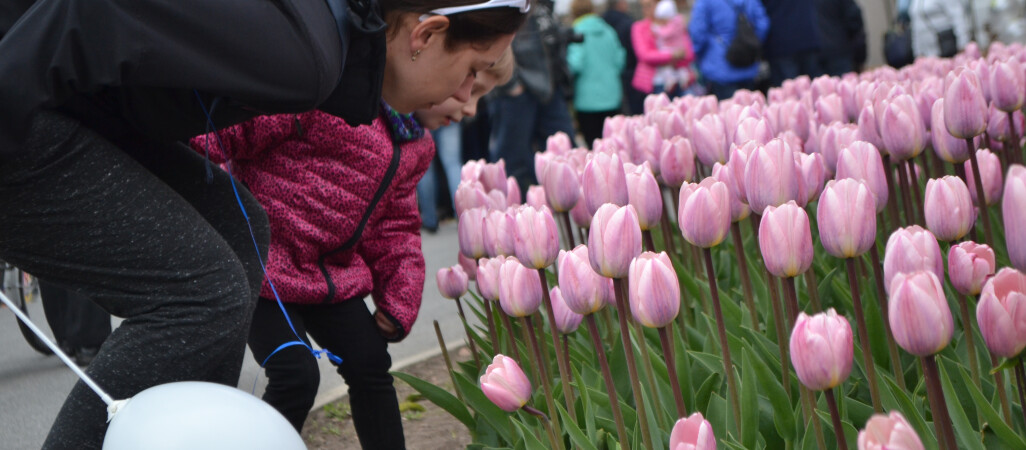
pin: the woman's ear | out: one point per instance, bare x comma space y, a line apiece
430, 31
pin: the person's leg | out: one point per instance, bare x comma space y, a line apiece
449, 146
783, 68
57, 310
82, 213
591, 124
348, 330
88, 326
292, 374
513, 121
427, 198
552, 117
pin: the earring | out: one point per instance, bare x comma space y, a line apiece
415, 55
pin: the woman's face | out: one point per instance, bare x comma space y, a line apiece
437, 73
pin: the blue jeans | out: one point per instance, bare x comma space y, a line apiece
791, 66
520, 122
724, 91
449, 150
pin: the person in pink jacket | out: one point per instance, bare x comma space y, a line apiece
664, 50
342, 207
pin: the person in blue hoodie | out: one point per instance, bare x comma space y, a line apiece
712, 27
596, 65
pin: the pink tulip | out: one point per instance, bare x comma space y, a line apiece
861, 161
833, 138
655, 102
536, 196
541, 164
562, 188
926, 95
693, 433
868, 130
470, 194
786, 240
520, 292
901, 127
911, 249
498, 229
919, 315
513, 196
1014, 214
969, 265
470, 233
890, 432
704, 215
654, 290
813, 171
771, 177
488, 277
535, 238
822, 350
949, 208
847, 219
580, 215
998, 126
584, 291
613, 125
738, 210
709, 136
493, 177
1008, 86
794, 116
829, 109
505, 384
677, 162
567, 321
647, 141
737, 163
846, 89
452, 281
604, 181
1001, 313
558, 143
645, 195
965, 108
614, 240
752, 129
471, 170
951, 149
469, 266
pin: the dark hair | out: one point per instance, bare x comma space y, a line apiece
477, 27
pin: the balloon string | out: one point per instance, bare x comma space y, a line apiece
57, 351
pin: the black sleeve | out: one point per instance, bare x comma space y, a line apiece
266, 55
10, 11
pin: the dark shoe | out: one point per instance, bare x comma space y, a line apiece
430, 230
84, 356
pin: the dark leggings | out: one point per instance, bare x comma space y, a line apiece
143, 234
347, 329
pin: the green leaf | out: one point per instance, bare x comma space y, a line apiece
589, 409
477, 401
712, 383
1008, 363
783, 413
570, 426
994, 420
899, 399
440, 397
749, 404
683, 365
528, 439
968, 437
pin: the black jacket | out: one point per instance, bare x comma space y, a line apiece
139, 69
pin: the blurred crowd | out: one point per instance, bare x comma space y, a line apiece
596, 60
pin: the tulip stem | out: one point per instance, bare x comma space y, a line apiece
565, 218
492, 333
728, 365
938, 406
448, 362
466, 328
544, 379
999, 381
860, 322
668, 242
561, 357
508, 324
778, 316
808, 400
892, 200
646, 236
835, 415
1020, 376
906, 197
548, 425
607, 376
916, 193
671, 369
632, 368
812, 285
791, 298
980, 196
646, 364
967, 325
1013, 156
746, 282
881, 299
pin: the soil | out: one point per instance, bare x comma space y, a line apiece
426, 426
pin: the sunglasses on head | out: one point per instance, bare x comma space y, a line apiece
522, 5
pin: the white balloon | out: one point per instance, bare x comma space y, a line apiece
197, 416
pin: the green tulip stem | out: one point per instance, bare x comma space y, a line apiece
466, 328
536, 354
924, 157
667, 228
448, 362
619, 285
1013, 154
808, 400
564, 217
508, 324
781, 327
916, 192
906, 196
646, 236
999, 381
938, 406
583, 235
970, 340
791, 298
728, 365
892, 200
556, 443
881, 299
646, 365
493, 334
860, 323
671, 369
561, 357
835, 415
980, 197
607, 376
746, 281
812, 286
1020, 377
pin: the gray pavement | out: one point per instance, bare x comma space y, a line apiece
33, 386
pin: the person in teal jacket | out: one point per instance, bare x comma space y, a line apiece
596, 64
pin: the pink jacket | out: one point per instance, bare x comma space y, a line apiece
342, 207
649, 55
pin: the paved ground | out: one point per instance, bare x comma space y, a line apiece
33, 387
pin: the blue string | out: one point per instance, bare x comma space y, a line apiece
299, 341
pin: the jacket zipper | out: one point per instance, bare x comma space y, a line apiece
385, 183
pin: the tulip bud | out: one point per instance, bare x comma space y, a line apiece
990, 173
562, 189
822, 350
493, 177
520, 292
918, 312
965, 108
584, 291
901, 128
654, 290
693, 433
829, 109
505, 384
604, 181
771, 177
738, 210
737, 162
580, 215
558, 143
1008, 86
535, 238
868, 131
452, 281
889, 432
709, 136
469, 266
833, 138
949, 208
786, 240
536, 197
645, 195
513, 196
753, 129
541, 164
614, 240
471, 171
488, 277
498, 229
847, 218
949, 148
969, 265
470, 233
704, 216
567, 321
813, 171
677, 162
470, 194
861, 161
911, 249
1001, 313
1014, 215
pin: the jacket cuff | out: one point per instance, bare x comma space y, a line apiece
401, 331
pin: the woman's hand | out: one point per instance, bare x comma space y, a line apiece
385, 325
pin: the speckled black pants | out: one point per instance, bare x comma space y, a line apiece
142, 233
